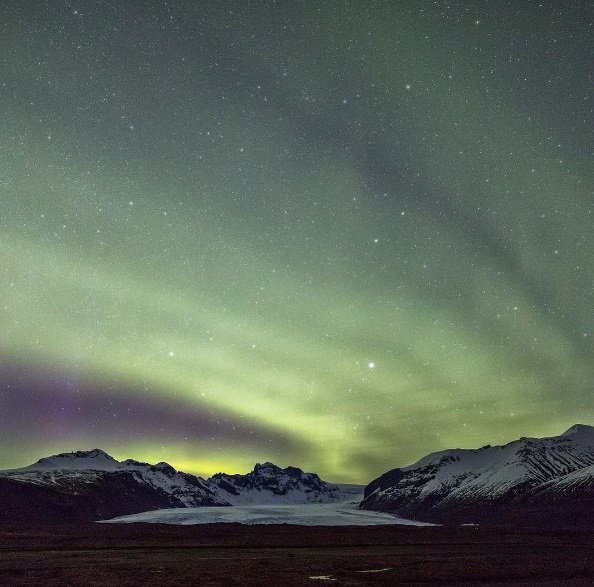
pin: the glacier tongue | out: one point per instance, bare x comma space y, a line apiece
327, 514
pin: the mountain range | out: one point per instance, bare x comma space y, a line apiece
92, 485
269, 484
530, 481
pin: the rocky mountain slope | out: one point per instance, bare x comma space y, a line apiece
268, 483
529, 481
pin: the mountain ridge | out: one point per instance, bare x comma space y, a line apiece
93, 485
289, 485
527, 479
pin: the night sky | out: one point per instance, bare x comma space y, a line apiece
334, 235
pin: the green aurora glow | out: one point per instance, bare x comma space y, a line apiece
361, 231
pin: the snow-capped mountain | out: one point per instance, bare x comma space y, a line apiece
81, 468
529, 479
92, 485
269, 484
91, 460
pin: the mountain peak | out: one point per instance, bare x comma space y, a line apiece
93, 454
579, 430
266, 466
95, 459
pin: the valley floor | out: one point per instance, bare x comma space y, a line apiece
233, 554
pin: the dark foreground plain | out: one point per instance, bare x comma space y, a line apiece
231, 554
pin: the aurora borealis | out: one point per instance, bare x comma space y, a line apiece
334, 235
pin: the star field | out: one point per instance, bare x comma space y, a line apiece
336, 235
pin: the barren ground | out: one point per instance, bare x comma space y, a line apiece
231, 554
